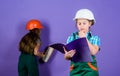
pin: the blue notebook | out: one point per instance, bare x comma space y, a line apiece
80, 45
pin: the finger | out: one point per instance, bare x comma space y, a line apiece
64, 50
73, 52
84, 31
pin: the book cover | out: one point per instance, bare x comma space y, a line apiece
80, 45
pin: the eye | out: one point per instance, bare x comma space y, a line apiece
79, 23
84, 23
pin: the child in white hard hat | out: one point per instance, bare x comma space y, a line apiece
84, 20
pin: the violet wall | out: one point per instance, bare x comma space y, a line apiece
56, 16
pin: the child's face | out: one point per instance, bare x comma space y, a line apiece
83, 25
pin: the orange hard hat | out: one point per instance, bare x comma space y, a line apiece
33, 24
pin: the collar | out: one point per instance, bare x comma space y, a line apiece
89, 34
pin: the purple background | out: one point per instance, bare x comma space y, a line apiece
56, 16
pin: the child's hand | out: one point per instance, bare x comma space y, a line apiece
41, 54
82, 33
69, 54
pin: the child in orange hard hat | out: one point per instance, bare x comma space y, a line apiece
29, 46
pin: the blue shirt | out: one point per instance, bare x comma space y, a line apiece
95, 40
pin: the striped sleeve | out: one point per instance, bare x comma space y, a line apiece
95, 40
70, 38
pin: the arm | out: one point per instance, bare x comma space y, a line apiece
93, 48
37, 53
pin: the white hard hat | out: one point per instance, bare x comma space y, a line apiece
84, 13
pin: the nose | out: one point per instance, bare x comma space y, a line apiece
82, 25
